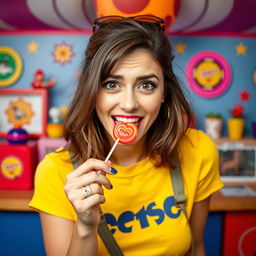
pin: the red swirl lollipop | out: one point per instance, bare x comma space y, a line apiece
125, 132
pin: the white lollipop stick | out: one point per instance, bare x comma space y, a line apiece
110, 153
111, 150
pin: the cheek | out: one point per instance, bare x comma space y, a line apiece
103, 103
153, 104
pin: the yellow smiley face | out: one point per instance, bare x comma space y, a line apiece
208, 74
11, 167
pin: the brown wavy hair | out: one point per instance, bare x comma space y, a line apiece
82, 128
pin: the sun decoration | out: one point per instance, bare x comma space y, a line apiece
19, 112
63, 53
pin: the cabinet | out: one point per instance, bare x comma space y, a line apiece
239, 233
17, 165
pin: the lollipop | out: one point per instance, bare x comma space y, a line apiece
125, 132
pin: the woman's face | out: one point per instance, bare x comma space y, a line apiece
133, 92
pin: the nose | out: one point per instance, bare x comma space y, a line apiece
128, 101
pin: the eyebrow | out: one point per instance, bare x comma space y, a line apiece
139, 78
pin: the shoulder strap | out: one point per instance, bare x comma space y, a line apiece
179, 195
178, 188
103, 230
107, 237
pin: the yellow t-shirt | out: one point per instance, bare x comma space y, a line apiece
140, 209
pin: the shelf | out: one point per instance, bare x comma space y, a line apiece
234, 203
16, 200
244, 141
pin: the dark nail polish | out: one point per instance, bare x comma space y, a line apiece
113, 170
111, 186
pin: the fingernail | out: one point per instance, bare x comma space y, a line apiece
113, 170
111, 186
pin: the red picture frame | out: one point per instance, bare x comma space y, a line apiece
25, 106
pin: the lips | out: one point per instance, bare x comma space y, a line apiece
127, 119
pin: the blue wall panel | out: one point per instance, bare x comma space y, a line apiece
20, 234
243, 67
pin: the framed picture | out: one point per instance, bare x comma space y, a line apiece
237, 162
25, 107
208, 74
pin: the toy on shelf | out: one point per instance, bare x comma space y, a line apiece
39, 80
55, 115
213, 125
55, 126
17, 135
236, 123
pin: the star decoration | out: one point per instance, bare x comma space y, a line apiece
244, 95
180, 47
63, 53
33, 47
241, 49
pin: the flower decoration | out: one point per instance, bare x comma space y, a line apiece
237, 111
63, 53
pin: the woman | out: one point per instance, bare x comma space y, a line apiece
127, 76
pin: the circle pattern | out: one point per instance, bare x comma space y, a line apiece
125, 132
10, 66
208, 74
130, 6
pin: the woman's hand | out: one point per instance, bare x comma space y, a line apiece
84, 190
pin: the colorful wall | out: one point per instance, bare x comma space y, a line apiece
59, 55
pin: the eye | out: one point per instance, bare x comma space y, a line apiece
111, 85
147, 86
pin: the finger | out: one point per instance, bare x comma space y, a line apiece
86, 179
93, 177
90, 165
94, 188
79, 194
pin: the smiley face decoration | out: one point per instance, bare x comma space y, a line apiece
125, 132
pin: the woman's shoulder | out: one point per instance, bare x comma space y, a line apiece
199, 140
56, 160
59, 154
197, 137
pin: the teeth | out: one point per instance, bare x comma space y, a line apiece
127, 120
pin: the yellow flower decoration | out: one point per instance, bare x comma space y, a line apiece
180, 47
33, 47
63, 53
19, 112
241, 49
